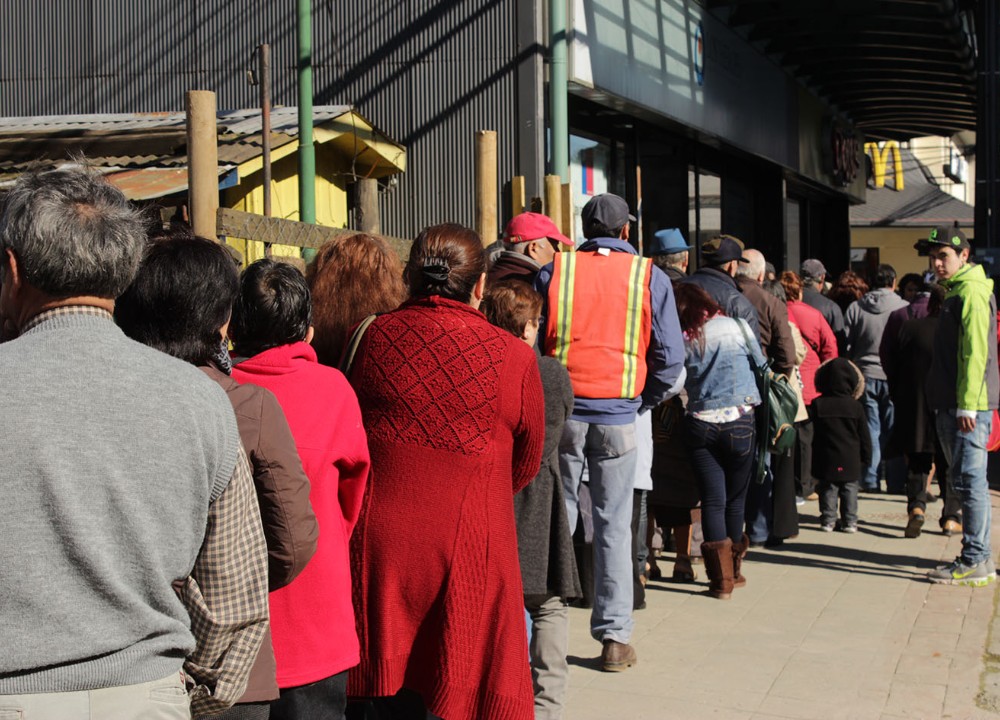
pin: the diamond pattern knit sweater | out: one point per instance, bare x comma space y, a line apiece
454, 412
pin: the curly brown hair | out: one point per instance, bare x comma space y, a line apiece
350, 279
848, 287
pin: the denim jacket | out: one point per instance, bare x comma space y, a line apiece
719, 373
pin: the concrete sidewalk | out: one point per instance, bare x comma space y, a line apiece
829, 626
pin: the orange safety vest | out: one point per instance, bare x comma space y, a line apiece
600, 319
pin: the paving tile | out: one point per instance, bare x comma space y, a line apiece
832, 628
916, 699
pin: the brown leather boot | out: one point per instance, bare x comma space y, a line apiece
617, 656
683, 572
740, 552
719, 567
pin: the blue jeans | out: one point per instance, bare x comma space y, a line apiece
608, 454
966, 456
879, 411
722, 455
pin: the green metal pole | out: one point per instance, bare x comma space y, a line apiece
558, 84
307, 151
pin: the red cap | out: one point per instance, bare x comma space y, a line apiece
533, 226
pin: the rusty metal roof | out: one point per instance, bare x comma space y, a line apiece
145, 154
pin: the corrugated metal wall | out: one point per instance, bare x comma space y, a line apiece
427, 73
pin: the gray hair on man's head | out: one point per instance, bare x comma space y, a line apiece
754, 265
73, 233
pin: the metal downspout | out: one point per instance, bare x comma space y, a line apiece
307, 150
558, 83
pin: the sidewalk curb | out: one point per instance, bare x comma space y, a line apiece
988, 697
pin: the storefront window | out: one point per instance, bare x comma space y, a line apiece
589, 172
704, 207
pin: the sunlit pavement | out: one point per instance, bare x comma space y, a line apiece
829, 626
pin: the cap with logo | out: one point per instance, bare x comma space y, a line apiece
722, 249
667, 241
533, 226
948, 237
608, 210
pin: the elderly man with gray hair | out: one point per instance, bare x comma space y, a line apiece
775, 497
131, 534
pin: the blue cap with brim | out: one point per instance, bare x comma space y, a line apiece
668, 240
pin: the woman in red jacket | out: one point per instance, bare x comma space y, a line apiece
312, 619
821, 345
454, 412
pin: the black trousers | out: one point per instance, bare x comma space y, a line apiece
322, 700
805, 483
404, 705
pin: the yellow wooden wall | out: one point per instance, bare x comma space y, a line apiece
331, 198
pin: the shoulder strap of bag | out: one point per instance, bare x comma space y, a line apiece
352, 346
747, 340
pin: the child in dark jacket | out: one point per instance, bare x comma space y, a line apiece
842, 447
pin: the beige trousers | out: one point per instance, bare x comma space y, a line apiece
164, 699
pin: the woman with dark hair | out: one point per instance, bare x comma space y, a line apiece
821, 345
721, 396
350, 279
545, 547
312, 620
455, 416
911, 286
848, 288
180, 303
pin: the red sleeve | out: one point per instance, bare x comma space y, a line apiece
529, 435
354, 462
827, 340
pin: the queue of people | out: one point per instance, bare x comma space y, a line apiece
352, 493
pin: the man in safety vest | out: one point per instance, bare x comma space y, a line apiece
610, 318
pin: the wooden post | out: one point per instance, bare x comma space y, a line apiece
566, 224
516, 195
366, 209
486, 186
203, 161
553, 199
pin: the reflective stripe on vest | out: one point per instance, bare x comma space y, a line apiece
633, 328
600, 322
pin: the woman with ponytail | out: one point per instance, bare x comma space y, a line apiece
454, 412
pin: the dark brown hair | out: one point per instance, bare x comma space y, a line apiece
695, 307
350, 279
510, 305
792, 284
445, 260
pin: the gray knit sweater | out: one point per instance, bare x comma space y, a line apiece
110, 456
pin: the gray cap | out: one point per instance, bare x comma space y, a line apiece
608, 210
812, 269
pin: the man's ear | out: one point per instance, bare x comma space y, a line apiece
310, 333
11, 271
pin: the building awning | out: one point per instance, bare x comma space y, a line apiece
896, 68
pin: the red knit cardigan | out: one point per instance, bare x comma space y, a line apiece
312, 619
455, 417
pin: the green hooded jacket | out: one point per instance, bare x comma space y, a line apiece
964, 374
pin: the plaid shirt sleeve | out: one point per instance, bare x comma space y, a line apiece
226, 596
